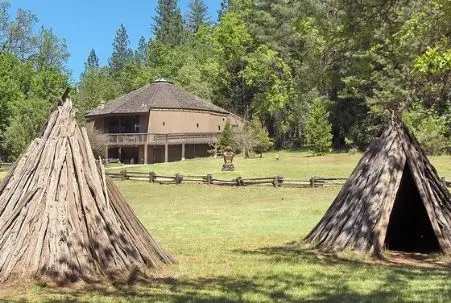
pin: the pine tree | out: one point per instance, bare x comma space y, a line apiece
262, 140
92, 61
168, 28
224, 8
318, 127
197, 15
227, 137
122, 54
141, 51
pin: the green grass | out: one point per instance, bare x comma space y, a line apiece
242, 244
292, 165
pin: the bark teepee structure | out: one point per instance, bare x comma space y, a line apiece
62, 220
393, 199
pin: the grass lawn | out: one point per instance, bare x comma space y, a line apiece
242, 244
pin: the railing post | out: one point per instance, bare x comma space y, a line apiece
275, 183
152, 177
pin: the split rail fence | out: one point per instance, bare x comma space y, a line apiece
209, 179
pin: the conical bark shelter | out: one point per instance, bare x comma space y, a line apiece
61, 219
393, 199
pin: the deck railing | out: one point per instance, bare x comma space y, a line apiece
161, 139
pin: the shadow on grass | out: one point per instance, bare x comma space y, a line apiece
296, 275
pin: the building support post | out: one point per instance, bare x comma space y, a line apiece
145, 154
183, 151
166, 150
106, 156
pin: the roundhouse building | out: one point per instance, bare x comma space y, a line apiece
159, 123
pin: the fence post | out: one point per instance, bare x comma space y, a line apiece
312, 182
123, 175
279, 181
275, 183
152, 177
178, 178
209, 179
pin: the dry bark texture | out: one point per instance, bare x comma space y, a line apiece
61, 219
359, 216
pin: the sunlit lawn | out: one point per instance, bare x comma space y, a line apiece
242, 244
292, 165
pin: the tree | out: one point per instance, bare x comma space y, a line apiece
197, 15
122, 54
429, 128
52, 51
16, 36
263, 142
92, 61
223, 8
96, 86
227, 137
319, 128
168, 27
141, 51
269, 78
19, 134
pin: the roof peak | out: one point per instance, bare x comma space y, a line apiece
161, 80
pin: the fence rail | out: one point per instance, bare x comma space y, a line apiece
5, 166
276, 181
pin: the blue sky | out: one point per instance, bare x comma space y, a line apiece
92, 24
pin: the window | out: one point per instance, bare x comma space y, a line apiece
197, 125
164, 123
219, 127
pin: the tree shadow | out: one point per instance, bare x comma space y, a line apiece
309, 277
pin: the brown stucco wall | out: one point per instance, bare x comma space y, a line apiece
185, 122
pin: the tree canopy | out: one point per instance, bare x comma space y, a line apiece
367, 61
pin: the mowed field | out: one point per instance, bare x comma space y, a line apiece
244, 244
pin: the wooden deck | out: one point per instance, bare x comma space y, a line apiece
134, 139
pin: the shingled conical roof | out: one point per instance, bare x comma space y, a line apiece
160, 94
62, 219
393, 199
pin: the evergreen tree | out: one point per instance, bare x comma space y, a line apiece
223, 9
197, 15
168, 28
319, 128
141, 51
227, 137
122, 54
262, 140
92, 61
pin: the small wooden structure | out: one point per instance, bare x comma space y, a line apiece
393, 199
63, 220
